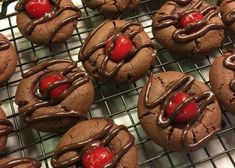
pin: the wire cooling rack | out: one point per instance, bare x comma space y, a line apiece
116, 101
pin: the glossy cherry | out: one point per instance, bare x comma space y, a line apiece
97, 157
37, 8
122, 46
190, 18
48, 80
188, 112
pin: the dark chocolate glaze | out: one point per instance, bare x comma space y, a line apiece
4, 45
230, 64
58, 10
102, 139
103, 69
6, 130
229, 18
187, 34
220, 1
182, 2
182, 85
21, 161
173, 19
74, 79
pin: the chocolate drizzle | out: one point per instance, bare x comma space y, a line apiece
21, 161
182, 85
8, 129
58, 10
187, 34
230, 64
182, 2
75, 80
103, 69
103, 138
229, 18
4, 45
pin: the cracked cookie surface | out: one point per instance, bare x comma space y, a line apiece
97, 63
6, 128
183, 137
54, 27
8, 59
91, 132
227, 9
112, 7
221, 80
196, 38
58, 114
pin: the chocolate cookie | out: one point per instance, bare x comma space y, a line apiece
6, 127
19, 163
227, 9
117, 51
222, 80
99, 136
188, 27
8, 59
48, 21
54, 95
112, 7
178, 112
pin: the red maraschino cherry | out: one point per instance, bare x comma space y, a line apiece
190, 18
122, 46
187, 113
37, 8
48, 80
97, 157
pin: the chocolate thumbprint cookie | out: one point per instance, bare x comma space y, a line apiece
112, 8
188, 27
8, 59
54, 95
97, 143
178, 112
222, 80
46, 21
227, 10
117, 51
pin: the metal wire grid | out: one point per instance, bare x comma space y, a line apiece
116, 101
